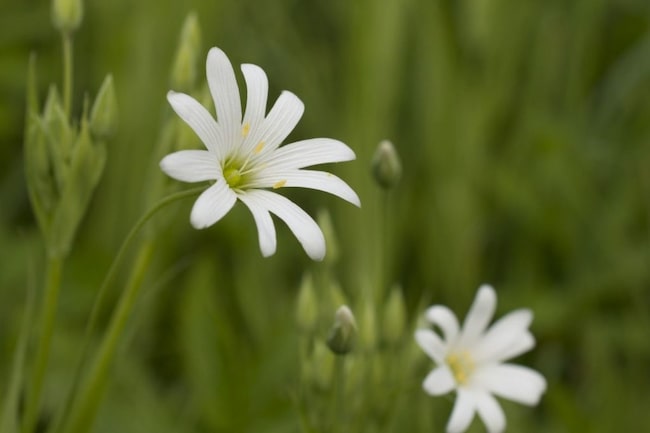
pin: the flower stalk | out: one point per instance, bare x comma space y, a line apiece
48, 316
84, 403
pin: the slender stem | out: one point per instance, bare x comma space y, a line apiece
47, 317
384, 254
106, 348
340, 414
92, 389
67, 73
101, 294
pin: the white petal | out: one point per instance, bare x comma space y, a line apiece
257, 89
265, 227
439, 381
431, 344
225, 93
310, 152
479, 315
212, 205
199, 119
191, 165
521, 345
501, 336
444, 318
463, 412
302, 225
318, 180
514, 382
279, 123
490, 411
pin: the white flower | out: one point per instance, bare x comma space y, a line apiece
245, 160
471, 361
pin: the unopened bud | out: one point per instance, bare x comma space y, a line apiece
394, 321
67, 14
103, 116
86, 168
368, 327
60, 136
343, 333
40, 185
184, 69
307, 304
38, 172
386, 165
319, 370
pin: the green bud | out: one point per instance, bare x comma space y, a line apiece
319, 370
67, 14
103, 116
368, 328
86, 168
38, 172
324, 220
307, 304
53, 100
386, 165
60, 137
343, 333
394, 321
184, 69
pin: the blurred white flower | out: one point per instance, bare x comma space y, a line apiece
245, 160
471, 361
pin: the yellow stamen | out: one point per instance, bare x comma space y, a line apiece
279, 184
245, 129
461, 365
259, 147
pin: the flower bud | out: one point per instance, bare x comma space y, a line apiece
184, 69
103, 116
394, 321
307, 305
86, 168
386, 165
319, 369
38, 173
343, 332
67, 14
368, 329
60, 137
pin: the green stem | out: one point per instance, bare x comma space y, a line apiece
84, 399
340, 414
47, 317
101, 294
384, 254
92, 389
67, 73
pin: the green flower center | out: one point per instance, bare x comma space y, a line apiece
461, 365
233, 177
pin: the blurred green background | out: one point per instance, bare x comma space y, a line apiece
524, 133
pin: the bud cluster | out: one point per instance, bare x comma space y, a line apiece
64, 161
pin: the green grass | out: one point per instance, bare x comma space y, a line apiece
524, 133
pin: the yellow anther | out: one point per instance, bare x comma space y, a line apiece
279, 184
245, 129
259, 147
461, 365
